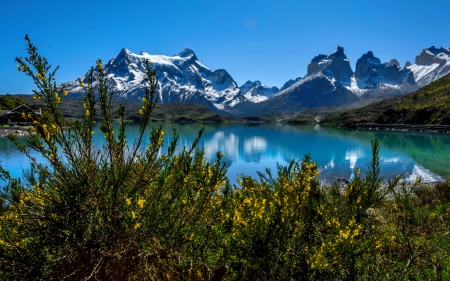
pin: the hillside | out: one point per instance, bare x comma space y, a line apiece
429, 105
171, 112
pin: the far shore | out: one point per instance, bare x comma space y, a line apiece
20, 131
398, 127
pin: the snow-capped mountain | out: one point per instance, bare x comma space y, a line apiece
182, 78
330, 80
430, 65
326, 83
257, 92
374, 78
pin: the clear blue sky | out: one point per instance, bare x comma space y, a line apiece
271, 41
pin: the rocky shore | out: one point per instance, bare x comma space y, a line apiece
398, 127
18, 131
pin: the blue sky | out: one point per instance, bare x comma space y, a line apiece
270, 41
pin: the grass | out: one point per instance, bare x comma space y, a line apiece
429, 105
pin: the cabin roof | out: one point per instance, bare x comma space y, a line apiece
21, 106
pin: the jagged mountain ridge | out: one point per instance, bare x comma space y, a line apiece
330, 80
430, 65
182, 78
257, 92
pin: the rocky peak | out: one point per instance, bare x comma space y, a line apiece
318, 63
335, 65
433, 55
365, 64
394, 62
370, 72
221, 76
319, 58
186, 53
437, 51
407, 64
339, 67
339, 53
255, 91
370, 58
124, 53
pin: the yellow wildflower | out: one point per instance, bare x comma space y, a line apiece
57, 98
99, 65
65, 92
128, 201
140, 203
133, 214
137, 225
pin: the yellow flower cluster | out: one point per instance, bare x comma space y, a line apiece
99, 64
41, 76
57, 98
140, 203
23, 67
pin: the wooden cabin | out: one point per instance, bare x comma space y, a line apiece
15, 116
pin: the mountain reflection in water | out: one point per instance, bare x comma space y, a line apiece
338, 153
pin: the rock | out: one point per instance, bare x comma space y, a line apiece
370, 72
181, 77
366, 64
432, 55
257, 92
394, 62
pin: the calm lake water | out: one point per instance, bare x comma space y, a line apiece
338, 153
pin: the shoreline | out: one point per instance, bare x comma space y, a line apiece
21, 131
444, 129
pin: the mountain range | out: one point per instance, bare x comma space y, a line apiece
330, 80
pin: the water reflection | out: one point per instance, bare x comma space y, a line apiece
338, 153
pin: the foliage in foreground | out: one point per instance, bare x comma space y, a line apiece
125, 211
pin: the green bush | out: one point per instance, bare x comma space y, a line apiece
122, 212
113, 212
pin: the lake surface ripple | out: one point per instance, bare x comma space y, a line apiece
337, 152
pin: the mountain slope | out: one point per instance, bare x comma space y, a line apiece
257, 92
330, 81
430, 65
428, 105
323, 85
182, 78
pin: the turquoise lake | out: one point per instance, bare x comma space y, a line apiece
338, 152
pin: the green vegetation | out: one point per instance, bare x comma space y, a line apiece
8, 102
172, 112
124, 212
429, 105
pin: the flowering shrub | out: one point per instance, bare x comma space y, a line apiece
122, 211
